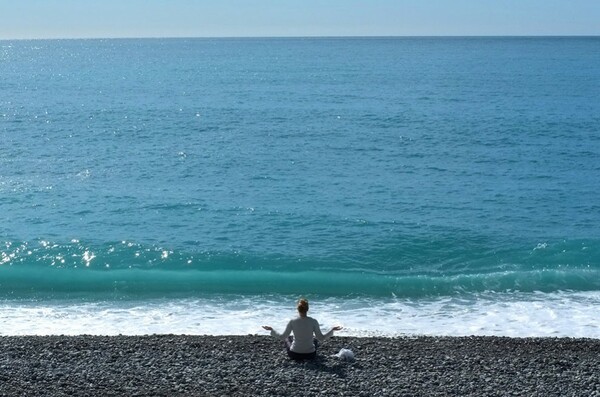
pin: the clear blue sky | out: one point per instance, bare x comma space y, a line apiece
218, 18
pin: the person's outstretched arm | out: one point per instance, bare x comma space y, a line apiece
286, 333
320, 336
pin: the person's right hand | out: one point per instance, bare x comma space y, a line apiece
268, 328
337, 328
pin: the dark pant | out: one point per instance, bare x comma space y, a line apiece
300, 356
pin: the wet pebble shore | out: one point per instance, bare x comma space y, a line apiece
179, 365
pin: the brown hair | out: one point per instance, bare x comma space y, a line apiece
302, 306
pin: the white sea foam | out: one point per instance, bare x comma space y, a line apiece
517, 315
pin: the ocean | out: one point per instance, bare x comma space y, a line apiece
440, 186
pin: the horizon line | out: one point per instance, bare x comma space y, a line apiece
303, 37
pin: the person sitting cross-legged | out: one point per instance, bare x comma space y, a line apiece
306, 332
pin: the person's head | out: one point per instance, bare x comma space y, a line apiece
302, 307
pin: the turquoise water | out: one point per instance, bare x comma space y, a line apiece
368, 170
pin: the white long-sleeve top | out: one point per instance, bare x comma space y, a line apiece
303, 328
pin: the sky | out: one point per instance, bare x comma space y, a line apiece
27, 19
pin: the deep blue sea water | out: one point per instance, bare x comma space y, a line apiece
404, 185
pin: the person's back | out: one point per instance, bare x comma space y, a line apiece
304, 328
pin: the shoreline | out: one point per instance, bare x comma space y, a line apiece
191, 365
559, 314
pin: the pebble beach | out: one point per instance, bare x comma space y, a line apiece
182, 365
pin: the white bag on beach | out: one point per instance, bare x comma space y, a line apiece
345, 355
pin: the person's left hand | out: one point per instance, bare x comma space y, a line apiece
337, 328
267, 327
